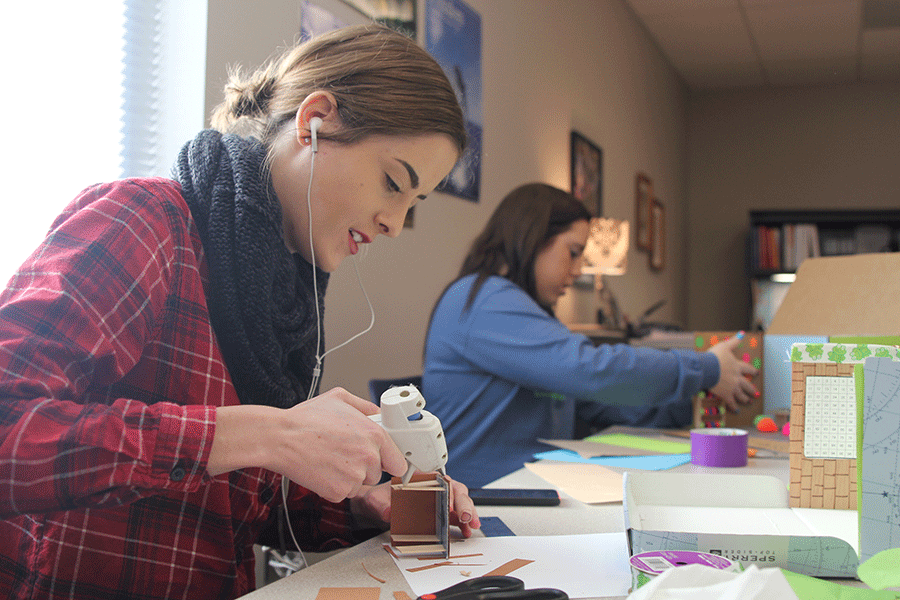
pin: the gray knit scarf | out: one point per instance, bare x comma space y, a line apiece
260, 295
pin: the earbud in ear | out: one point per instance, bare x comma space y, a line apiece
314, 125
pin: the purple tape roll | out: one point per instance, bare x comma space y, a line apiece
715, 447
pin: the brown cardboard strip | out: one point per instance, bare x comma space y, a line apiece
348, 593
426, 567
369, 573
435, 550
509, 567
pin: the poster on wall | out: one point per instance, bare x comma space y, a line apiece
399, 15
453, 37
316, 19
321, 16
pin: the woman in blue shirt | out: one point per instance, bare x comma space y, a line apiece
501, 371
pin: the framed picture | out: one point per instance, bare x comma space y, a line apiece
587, 173
643, 196
657, 235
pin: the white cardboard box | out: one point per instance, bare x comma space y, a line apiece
742, 517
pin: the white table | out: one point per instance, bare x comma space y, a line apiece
345, 568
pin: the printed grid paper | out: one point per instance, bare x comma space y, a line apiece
830, 417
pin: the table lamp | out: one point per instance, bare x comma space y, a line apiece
606, 253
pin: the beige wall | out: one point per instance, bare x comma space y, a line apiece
799, 148
548, 67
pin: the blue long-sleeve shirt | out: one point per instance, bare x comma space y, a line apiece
496, 375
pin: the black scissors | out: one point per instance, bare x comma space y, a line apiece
498, 587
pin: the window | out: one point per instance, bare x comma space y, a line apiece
82, 103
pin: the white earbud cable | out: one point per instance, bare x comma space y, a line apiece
317, 370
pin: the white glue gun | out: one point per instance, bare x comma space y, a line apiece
416, 432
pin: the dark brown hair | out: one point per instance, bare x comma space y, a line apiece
524, 222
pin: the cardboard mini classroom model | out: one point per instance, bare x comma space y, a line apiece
831, 356
420, 516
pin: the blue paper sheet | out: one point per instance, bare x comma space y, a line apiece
646, 463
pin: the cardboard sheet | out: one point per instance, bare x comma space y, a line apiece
834, 298
591, 484
842, 296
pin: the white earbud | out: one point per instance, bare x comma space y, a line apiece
314, 125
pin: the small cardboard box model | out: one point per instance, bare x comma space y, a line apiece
420, 516
825, 379
745, 518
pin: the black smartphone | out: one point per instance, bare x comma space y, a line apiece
514, 496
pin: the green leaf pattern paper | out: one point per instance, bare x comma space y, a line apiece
848, 354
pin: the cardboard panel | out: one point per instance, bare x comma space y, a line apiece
842, 295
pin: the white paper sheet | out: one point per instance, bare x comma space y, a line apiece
583, 566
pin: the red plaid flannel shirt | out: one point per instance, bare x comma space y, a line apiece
109, 377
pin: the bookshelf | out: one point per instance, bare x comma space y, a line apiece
779, 240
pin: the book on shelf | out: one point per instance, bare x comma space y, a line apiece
783, 247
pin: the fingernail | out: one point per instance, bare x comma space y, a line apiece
740, 335
465, 517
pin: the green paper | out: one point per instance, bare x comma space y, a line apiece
880, 340
859, 377
642, 443
882, 570
810, 588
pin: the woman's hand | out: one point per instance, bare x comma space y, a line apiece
733, 387
374, 506
327, 444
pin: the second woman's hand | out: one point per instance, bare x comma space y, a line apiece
733, 387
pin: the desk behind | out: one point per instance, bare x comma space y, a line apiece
599, 334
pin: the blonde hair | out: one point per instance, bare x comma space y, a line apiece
383, 82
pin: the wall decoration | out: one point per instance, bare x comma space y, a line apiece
657, 235
453, 37
643, 195
399, 15
586, 160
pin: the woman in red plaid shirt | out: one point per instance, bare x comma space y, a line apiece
157, 349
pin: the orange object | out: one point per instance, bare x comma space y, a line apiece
767, 425
751, 452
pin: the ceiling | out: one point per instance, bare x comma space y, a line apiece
720, 44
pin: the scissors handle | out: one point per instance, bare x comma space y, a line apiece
498, 587
466, 590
